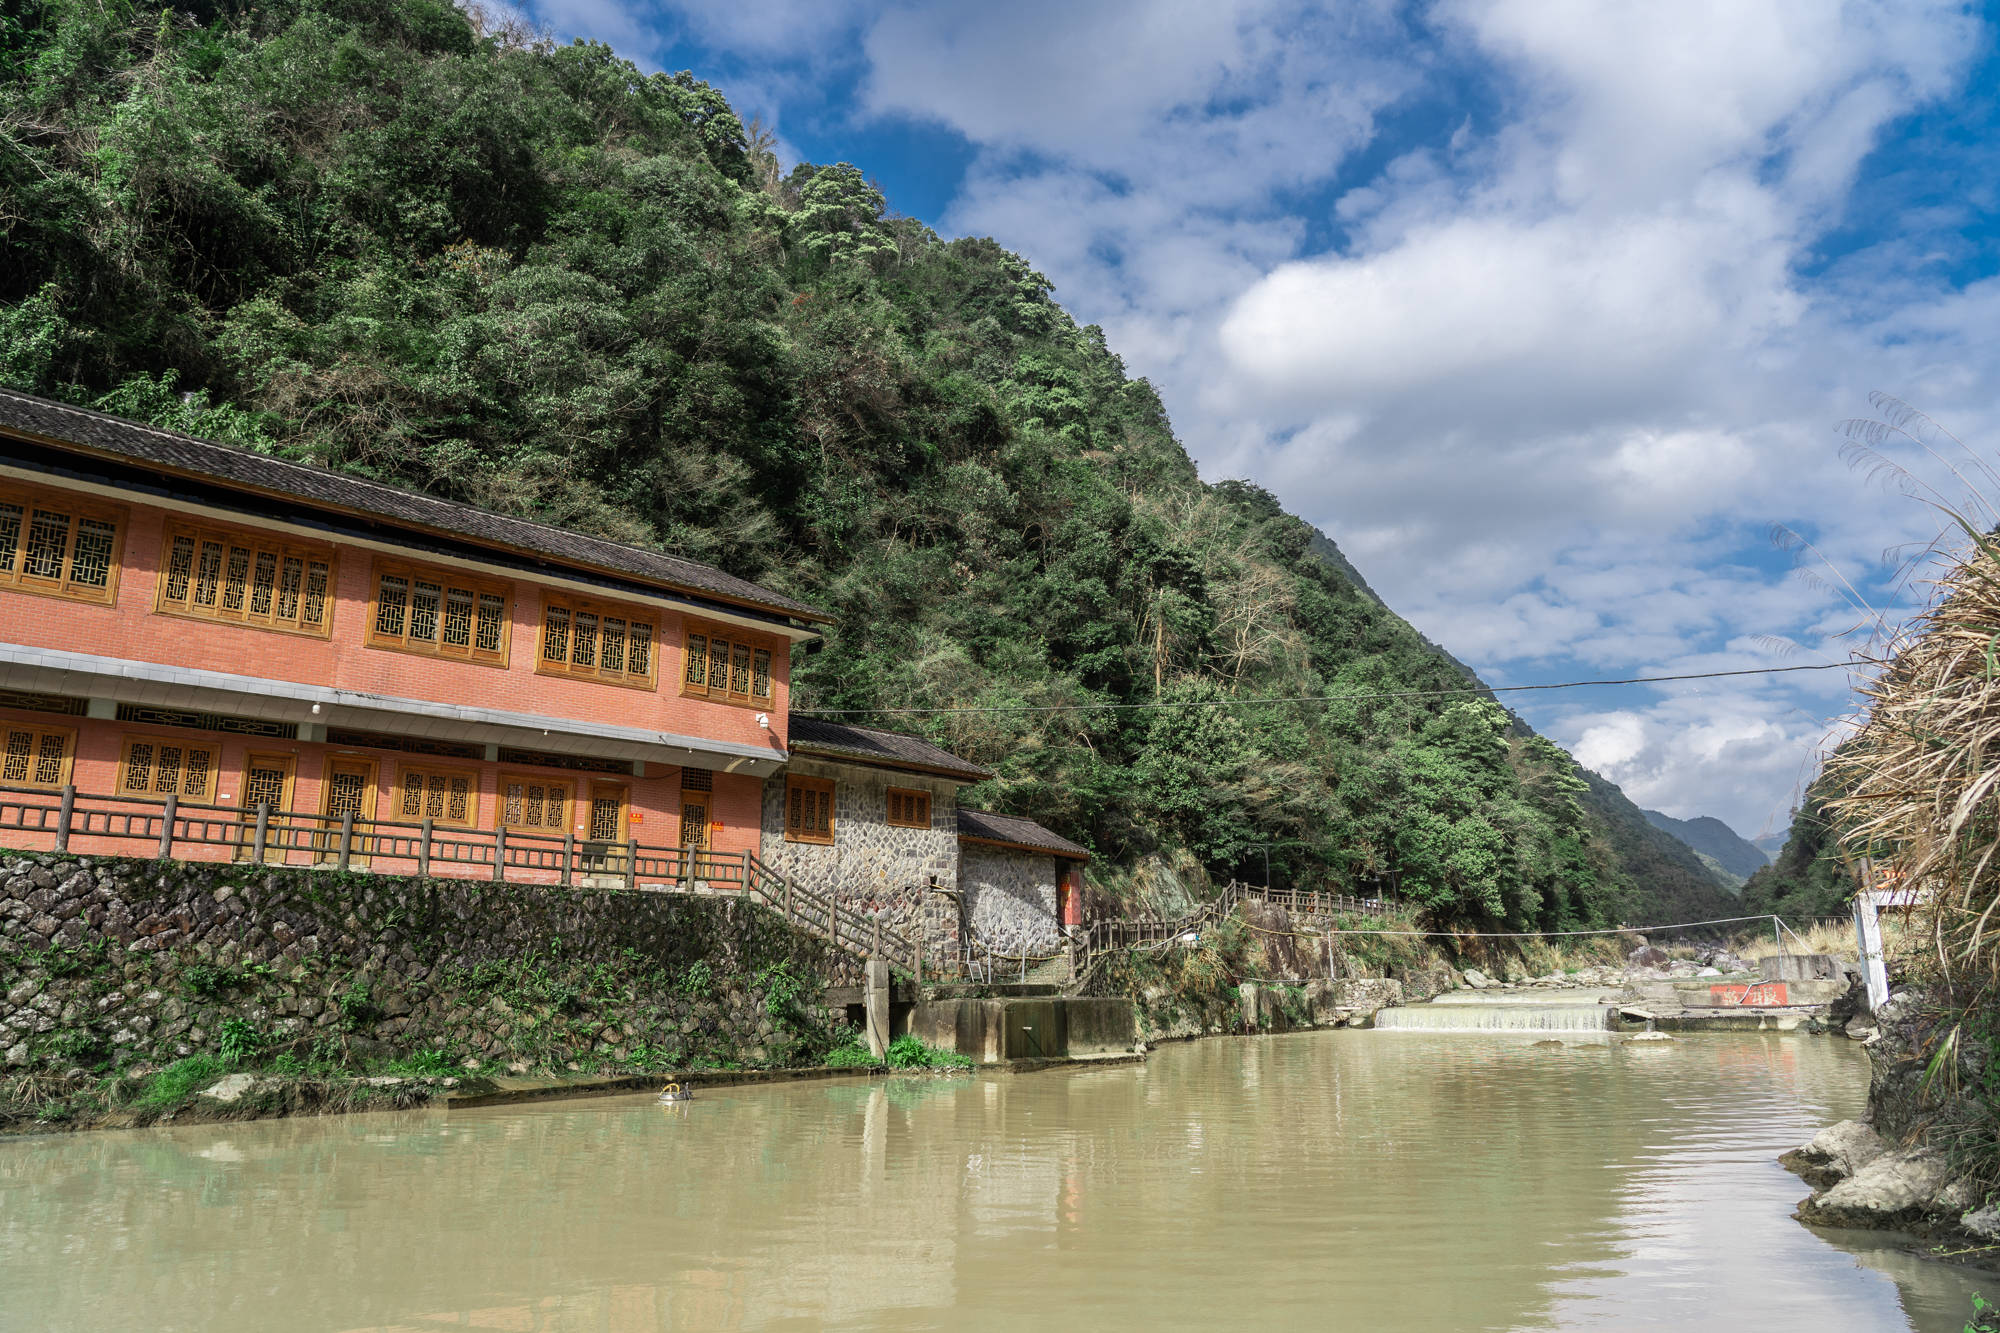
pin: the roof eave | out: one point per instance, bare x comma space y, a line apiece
966, 775
810, 615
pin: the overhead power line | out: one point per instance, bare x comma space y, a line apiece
1357, 696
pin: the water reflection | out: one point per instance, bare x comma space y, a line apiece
1337, 1180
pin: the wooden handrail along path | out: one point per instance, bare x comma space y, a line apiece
168, 826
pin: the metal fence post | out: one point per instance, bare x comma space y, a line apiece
500, 854
263, 834
346, 839
167, 826
569, 857
424, 851
632, 863
63, 814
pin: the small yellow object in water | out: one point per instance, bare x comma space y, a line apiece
676, 1092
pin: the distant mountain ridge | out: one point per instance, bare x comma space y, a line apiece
1734, 855
1676, 879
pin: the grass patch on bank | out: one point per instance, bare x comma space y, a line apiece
179, 1081
913, 1052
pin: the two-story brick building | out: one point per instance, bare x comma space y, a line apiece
182, 619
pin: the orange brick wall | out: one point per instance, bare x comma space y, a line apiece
653, 801
131, 629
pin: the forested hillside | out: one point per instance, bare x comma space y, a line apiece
1807, 881
378, 237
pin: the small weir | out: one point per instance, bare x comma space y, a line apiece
1497, 1018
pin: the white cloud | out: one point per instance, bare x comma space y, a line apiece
1547, 371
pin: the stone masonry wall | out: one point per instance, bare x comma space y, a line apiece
112, 962
1010, 898
873, 865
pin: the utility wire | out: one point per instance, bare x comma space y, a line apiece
1318, 698
1545, 934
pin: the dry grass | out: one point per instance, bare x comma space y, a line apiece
1828, 937
1922, 777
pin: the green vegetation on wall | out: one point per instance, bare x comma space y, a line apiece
381, 237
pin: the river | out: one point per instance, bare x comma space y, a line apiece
1336, 1180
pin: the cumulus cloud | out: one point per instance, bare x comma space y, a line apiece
1524, 301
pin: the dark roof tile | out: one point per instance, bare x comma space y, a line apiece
1014, 831
242, 467
884, 749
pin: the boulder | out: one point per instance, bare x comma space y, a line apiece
1647, 956
1476, 979
1983, 1222
1834, 1154
230, 1087
1887, 1194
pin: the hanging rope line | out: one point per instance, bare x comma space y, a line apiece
1356, 697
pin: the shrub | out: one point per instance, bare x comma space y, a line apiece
851, 1054
910, 1051
238, 1042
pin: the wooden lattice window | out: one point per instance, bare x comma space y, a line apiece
808, 810
596, 642
697, 779
535, 805
246, 578
59, 545
156, 766
909, 809
694, 820
439, 613
442, 795
716, 667
35, 756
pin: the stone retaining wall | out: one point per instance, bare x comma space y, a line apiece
110, 962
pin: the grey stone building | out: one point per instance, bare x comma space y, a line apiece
873, 818
1019, 884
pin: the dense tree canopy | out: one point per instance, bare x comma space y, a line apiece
384, 238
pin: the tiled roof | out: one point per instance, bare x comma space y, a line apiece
884, 749
60, 423
1014, 831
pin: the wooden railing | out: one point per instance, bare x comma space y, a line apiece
1314, 901
170, 827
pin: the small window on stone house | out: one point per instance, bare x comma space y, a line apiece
808, 810
909, 809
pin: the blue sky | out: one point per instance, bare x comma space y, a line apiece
1545, 310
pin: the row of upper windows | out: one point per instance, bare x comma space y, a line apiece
58, 545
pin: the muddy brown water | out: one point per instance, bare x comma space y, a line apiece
1340, 1180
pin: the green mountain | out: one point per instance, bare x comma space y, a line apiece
1734, 857
381, 237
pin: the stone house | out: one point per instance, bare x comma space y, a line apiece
873, 817
1019, 883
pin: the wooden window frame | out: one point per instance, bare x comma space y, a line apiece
40, 731
14, 576
471, 820
574, 608
793, 830
182, 743
447, 582
255, 545
908, 794
748, 653
568, 786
